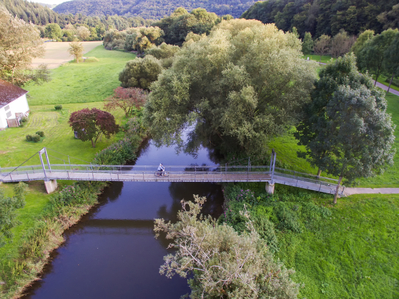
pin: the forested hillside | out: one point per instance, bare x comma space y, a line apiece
42, 15
327, 16
151, 9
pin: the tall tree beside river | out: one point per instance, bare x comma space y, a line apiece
241, 85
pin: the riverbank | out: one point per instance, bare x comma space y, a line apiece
63, 210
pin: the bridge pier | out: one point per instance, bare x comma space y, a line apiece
51, 186
269, 188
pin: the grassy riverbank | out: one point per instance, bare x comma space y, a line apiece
349, 250
43, 219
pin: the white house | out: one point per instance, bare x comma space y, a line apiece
13, 105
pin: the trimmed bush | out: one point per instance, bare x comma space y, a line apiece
35, 138
23, 120
40, 133
58, 107
28, 137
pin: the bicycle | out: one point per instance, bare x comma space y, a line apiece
161, 173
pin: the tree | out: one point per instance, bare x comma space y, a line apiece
391, 59
127, 99
371, 56
83, 33
361, 40
165, 53
307, 44
341, 44
240, 85
53, 31
8, 207
322, 45
76, 50
345, 127
19, 43
221, 262
140, 72
90, 124
390, 19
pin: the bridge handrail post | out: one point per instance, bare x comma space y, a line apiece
27, 175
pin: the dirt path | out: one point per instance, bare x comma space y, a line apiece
57, 53
351, 191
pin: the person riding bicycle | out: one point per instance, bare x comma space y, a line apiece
161, 169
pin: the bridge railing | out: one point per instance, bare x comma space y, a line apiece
93, 168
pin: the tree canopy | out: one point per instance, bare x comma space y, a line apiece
76, 50
19, 43
89, 124
345, 128
240, 85
127, 99
222, 262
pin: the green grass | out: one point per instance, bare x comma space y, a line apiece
75, 86
383, 80
352, 254
36, 199
81, 82
324, 58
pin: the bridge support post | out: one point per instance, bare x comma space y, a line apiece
51, 186
269, 188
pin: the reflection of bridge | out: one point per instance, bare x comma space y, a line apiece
192, 173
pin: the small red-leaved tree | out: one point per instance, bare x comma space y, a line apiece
90, 124
127, 99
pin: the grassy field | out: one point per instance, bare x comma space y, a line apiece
83, 82
57, 53
324, 58
352, 254
72, 86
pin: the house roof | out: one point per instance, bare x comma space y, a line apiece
9, 92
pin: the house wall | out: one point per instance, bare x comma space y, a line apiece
19, 105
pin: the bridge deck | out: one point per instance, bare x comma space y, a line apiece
177, 174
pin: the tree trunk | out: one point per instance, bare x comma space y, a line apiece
390, 82
318, 173
336, 191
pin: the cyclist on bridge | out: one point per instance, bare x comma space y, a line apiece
161, 169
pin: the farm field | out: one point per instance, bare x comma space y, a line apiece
57, 53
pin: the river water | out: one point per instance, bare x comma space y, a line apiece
112, 252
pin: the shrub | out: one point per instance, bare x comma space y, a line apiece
58, 107
28, 137
24, 119
35, 138
40, 133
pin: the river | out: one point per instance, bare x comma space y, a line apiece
112, 252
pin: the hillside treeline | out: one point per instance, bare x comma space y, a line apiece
327, 16
151, 9
41, 15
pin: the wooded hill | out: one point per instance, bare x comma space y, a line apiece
327, 16
151, 9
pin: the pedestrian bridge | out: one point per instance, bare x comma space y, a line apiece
188, 173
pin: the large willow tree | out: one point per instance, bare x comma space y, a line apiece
241, 85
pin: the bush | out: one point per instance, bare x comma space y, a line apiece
40, 133
35, 138
28, 137
58, 107
24, 119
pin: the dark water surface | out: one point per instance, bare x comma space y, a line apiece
112, 252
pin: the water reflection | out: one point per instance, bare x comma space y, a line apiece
112, 252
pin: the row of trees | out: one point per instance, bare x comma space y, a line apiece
327, 16
336, 46
378, 54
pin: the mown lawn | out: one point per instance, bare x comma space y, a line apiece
82, 82
352, 254
324, 58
